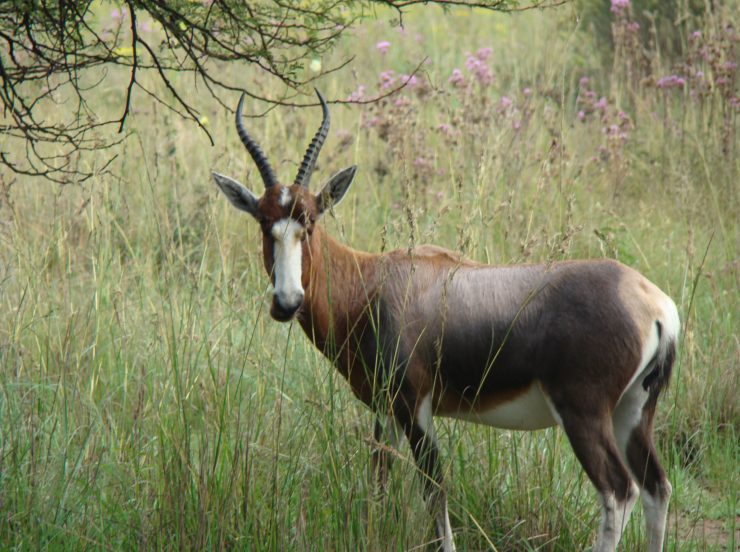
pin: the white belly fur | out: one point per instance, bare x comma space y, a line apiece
527, 411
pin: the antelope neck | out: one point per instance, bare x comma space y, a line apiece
342, 283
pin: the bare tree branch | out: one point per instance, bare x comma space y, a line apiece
48, 49
134, 65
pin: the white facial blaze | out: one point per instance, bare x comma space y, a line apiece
287, 262
285, 198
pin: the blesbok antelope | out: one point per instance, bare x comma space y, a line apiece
587, 345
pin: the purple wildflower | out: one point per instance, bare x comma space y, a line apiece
357, 95
445, 128
480, 70
409, 80
387, 79
671, 81
484, 53
421, 162
618, 6
383, 46
375, 121
616, 132
457, 79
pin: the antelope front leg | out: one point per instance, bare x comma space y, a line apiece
419, 430
387, 436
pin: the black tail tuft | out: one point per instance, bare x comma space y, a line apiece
661, 365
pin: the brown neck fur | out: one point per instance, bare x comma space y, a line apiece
342, 282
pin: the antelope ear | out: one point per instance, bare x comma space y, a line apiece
239, 196
334, 190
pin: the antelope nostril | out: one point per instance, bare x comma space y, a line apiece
285, 305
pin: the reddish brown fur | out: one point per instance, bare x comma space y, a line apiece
341, 284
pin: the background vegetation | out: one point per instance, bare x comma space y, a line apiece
59, 52
147, 400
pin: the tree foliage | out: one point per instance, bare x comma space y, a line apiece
54, 53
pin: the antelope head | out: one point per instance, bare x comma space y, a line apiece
286, 214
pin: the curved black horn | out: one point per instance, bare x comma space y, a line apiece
312, 153
263, 165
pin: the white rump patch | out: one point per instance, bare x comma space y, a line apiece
530, 410
648, 352
628, 413
670, 321
287, 265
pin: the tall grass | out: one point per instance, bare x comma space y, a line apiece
147, 401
